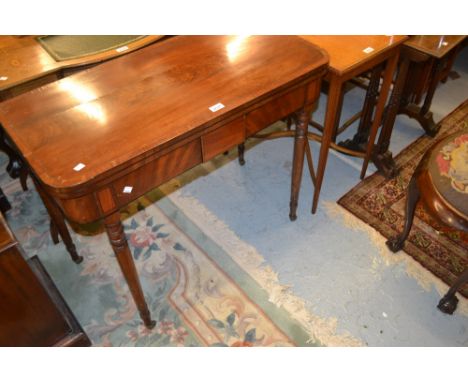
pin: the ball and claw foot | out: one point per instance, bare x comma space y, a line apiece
448, 304
395, 244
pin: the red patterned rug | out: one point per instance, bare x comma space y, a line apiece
380, 203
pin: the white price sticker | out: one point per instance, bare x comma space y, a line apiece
368, 50
445, 43
216, 107
3, 78
79, 167
127, 189
122, 49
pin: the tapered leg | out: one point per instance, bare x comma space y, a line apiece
300, 142
396, 243
334, 94
58, 223
449, 302
119, 244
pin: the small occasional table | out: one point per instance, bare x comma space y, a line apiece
351, 56
440, 182
99, 139
424, 62
436, 53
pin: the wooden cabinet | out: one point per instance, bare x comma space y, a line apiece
32, 311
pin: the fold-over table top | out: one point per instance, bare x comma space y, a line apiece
118, 111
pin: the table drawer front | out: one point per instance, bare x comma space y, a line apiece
223, 138
156, 172
274, 110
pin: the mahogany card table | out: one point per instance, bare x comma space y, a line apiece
99, 139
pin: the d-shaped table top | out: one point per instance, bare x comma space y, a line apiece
76, 129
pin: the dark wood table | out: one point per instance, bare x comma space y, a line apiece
99, 139
424, 62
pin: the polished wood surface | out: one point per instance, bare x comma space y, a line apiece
348, 52
434, 45
79, 118
23, 59
32, 312
144, 118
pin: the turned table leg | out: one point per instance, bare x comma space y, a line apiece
449, 302
396, 243
58, 223
300, 142
119, 244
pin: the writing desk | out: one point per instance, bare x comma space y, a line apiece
97, 140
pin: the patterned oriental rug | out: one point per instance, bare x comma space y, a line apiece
196, 292
381, 203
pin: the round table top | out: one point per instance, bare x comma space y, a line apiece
448, 168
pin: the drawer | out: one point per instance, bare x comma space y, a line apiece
223, 138
274, 110
156, 171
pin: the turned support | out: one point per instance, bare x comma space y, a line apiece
118, 241
300, 142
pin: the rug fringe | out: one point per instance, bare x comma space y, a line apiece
247, 257
413, 269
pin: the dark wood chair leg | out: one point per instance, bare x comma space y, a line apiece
449, 302
241, 150
396, 243
119, 244
58, 223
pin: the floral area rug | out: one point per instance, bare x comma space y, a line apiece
197, 294
381, 204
